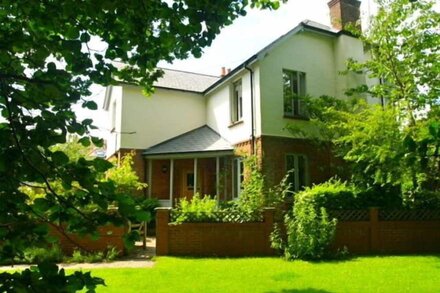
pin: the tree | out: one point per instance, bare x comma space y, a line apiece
46, 66
394, 144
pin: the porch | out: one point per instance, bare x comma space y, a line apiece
200, 161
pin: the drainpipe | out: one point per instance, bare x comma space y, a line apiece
252, 110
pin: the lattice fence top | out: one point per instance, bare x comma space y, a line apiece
221, 216
350, 215
409, 215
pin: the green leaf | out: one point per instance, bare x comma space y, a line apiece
90, 105
101, 165
85, 141
60, 158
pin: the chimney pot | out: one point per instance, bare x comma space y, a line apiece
344, 12
223, 71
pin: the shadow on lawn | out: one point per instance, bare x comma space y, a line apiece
307, 290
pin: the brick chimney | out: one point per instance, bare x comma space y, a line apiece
223, 71
343, 12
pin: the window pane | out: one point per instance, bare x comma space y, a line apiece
302, 172
287, 92
236, 102
296, 165
290, 168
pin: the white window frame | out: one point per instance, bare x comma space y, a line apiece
113, 116
236, 101
300, 92
238, 173
295, 188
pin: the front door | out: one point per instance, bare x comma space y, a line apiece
187, 183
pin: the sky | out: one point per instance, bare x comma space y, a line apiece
237, 42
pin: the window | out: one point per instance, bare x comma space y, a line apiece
238, 177
113, 117
294, 87
236, 102
297, 166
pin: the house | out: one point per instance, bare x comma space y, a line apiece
189, 135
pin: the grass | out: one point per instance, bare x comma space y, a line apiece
363, 274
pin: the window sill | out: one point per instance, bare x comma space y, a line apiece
235, 123
296, 117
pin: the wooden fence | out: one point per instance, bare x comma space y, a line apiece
388, 231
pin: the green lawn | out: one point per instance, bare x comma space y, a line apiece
364, 274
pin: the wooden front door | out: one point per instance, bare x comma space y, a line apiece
187, 183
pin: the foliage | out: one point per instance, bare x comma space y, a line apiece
252, 195
394, 144
124, 176
208, 209
91, 257
46, 66
309, 230
197, 209
35, 255
335, 194
47, 277
255, 194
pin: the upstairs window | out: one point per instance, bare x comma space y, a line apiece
236, 102
297, 166
294, 88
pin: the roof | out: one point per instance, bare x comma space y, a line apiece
186, 81
202, 139
308, 25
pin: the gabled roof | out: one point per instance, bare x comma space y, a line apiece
306, 25
185, 81
202, 139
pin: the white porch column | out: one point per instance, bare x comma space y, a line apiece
150, 171
225, 187
217, 177
195, 176
171, 180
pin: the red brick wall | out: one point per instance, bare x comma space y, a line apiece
110, 236
322, 164
213, 239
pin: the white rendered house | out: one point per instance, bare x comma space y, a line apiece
189, 134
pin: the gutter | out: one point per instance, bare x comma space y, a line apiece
252, 108
231, 74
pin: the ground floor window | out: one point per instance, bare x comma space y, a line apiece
238, 177
297, 166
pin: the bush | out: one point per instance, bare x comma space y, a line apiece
309, 230
198, 209
335, 194
34, 255
91, 257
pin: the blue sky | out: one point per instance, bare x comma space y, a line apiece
237, 42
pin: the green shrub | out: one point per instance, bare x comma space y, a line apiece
335, 194
79, 256
198, 209
34, 255
309, 230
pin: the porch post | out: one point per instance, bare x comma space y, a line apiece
225, 187
150, 170
217, 177
195, 176
171, 180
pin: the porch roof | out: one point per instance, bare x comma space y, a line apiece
202, 140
